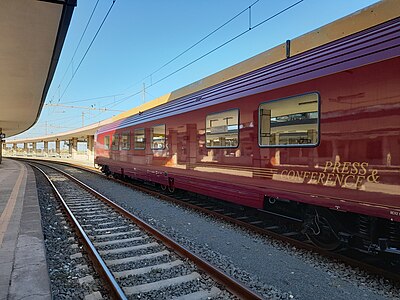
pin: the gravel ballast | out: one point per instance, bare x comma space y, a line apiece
275, 270
69, 269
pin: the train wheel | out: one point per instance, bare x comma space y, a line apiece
163, 187
106, 170
320, 229
171, 189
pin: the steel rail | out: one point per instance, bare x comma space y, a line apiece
293, 242
231, 284
268, 233
265, 232
94, 255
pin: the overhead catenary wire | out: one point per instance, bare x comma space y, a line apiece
225, 43
87, 50
118, 102
195, 44
77, 46
180, 54
213, 50
204, 38
91, 99
177, 56
73, 56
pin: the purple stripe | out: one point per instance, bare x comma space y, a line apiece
311, 64
296, 72
369, 46
323, 51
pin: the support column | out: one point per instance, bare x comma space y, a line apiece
73, 147
25, 149
58, 148
386, 153
192, 144
45, 148
14, 149
2, 144
90, 147
173, 141
335, 151
148, 151
278, 157
346, 151
34, 149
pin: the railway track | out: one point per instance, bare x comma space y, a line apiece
135, 259
282, 229
255, 222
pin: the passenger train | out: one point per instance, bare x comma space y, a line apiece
312, 135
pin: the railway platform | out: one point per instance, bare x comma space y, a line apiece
23, 266
75, 161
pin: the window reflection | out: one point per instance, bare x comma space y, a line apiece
115, 142
222, 130
290, 121
157, 137
107, 142
139, 142
125, 142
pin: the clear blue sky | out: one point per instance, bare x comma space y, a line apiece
138, 37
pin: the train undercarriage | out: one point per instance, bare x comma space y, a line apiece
329, 229
332, 230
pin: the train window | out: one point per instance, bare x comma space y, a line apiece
125, 141
222, 129
115, 142
157, 137
290, 122
107, 142
139, 140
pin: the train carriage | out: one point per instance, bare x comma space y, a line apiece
313, 136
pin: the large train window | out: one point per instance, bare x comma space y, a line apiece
157, 137
290, 121
125, 141
139, 139
115, 142
107, 142
222, 129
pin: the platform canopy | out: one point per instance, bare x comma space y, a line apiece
32, 33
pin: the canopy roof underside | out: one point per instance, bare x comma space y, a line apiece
32, 33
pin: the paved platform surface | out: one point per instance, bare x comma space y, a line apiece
77, 161
81, 162
23, 267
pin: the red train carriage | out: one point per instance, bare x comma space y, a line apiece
314, 136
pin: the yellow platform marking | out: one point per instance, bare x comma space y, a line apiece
8, 210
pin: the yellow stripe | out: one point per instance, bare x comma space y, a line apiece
368, 17
365, 18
